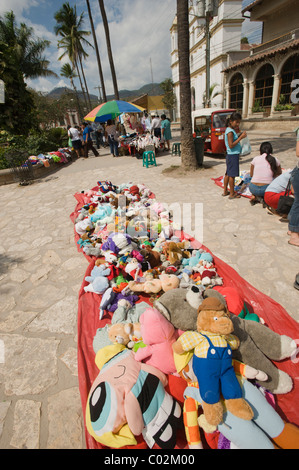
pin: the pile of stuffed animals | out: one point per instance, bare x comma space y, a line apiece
167, 313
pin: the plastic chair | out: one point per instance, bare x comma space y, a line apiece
149, 158
176, 148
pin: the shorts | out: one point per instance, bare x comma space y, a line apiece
233, 165
77, 144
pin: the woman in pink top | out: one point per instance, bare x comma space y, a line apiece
263, 170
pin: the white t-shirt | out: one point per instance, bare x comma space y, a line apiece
74, 134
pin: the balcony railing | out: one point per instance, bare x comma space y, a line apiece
275, 42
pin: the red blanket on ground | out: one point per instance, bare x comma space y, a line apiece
274, 315
219, 182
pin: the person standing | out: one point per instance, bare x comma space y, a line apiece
156, 126
233, 148
166, 130
88, 145
294, 212
74, 135
112, 137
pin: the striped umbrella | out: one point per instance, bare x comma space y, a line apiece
111, 110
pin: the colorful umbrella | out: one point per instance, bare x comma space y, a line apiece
111, 110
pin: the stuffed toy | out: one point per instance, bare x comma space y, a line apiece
165, 282
151, 256
127, 334
212, 362
158, 334
235, 303
118, 243
259, 345
134, 269
265, 431
174, 252
128, 399
98, 281
110, 299
179, 306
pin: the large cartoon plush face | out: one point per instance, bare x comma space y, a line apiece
128, 397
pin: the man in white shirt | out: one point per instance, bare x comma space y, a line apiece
74, 135
156, 126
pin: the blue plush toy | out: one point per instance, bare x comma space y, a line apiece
98, 282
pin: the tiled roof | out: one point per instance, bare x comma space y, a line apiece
281, 48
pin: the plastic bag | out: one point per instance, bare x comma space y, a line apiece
246, 147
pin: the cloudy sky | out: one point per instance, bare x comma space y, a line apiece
139, 31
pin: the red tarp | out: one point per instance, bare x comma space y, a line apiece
219, 182
275, 317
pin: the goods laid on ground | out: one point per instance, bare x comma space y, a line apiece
141, 337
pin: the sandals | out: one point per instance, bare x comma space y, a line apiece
235, 196
225, 194
296, 283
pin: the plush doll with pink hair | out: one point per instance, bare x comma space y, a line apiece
158, 334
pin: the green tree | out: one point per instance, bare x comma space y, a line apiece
169, 98
27, 49
73, 39
21, 57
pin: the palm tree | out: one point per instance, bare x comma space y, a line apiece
109, 48
28, 50
72, 39
68, 72
188, 149
97, 52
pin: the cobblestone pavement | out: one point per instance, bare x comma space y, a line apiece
41, 272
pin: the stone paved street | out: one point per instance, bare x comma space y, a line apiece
41, 272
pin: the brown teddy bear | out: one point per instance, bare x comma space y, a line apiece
174, 252
212, 361
165, 283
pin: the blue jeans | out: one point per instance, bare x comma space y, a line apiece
113, 146
294, 212
258, 190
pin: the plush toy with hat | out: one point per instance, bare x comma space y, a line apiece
212, 362
266, 430
259, 345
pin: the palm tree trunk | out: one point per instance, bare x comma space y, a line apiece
188, 156
84, 78
109, 49
97, 52
77, 99
81, 84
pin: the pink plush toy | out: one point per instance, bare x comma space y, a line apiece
158, 334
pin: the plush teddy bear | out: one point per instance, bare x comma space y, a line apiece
158, 334
265, 427
259, 345
212, 362
128, 334
165, 282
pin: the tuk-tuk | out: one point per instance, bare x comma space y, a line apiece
210, 124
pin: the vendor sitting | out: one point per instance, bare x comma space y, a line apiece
263, 170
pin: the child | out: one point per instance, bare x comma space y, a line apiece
233, 148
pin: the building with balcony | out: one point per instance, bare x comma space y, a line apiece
225, 49
267, 77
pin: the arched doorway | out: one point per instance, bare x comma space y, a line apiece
264, 86
289, 72
236, 92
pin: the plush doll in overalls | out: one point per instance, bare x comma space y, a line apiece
212, 362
